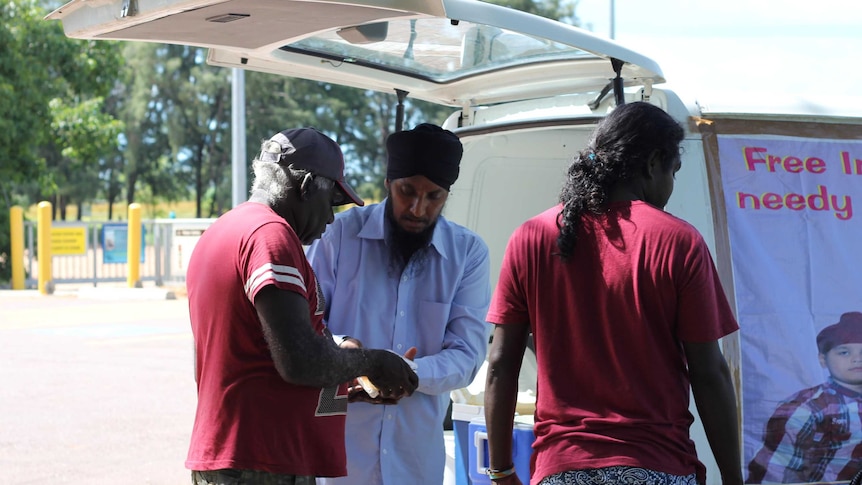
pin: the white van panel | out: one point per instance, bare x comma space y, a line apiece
508, 177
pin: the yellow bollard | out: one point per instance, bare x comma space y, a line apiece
43, 240
133, 279
16, 223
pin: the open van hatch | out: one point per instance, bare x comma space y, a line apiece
452, 52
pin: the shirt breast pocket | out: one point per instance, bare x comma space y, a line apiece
431, 322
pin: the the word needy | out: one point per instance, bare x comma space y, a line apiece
819, 199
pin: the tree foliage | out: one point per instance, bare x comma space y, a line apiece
38, 64
86, 137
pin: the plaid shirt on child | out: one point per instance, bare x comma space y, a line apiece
814, 436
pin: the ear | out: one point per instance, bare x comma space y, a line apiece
653, 166
822, 360
306, 185
386, 184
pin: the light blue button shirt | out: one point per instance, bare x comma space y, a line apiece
437, 306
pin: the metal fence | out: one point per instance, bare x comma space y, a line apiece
167, 245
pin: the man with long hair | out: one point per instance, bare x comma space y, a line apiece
626, 310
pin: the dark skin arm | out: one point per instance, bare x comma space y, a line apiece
501, 394
302, 357
716, 404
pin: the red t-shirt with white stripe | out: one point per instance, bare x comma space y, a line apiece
247, 416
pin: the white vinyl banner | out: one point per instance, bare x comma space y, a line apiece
794, 207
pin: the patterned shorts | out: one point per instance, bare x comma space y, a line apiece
618, 475
247, 477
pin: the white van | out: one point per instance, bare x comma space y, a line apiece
525, 93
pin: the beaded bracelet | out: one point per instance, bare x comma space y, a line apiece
496, 474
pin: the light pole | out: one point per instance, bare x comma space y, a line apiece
239, 188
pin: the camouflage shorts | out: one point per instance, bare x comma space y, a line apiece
247, 477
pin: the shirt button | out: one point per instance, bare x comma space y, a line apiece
384, 451
389, 416
399, 346
401, 313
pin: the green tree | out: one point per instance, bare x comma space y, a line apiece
137, 104
176, 111
88, 137
39, 63
197, 98
23, 101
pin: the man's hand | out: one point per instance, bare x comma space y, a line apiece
389, 392
410, 354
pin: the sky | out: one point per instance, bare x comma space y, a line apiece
737, 53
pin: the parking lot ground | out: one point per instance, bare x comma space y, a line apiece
97, 387
93, 390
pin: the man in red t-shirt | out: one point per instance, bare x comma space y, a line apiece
626, 309
272, 392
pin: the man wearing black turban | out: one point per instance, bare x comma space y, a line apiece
399, 276
425, 150
423, 164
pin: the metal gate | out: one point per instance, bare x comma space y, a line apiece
167, 245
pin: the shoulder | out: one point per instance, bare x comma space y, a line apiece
544, 221
668, 231
357, 214
811, 398
665, 221
539, 227
250, 220
458, 233
807, 393
351, 221
255, 213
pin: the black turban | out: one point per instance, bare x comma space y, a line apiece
425, 150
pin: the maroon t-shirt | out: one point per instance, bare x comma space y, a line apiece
613, 386
247, 416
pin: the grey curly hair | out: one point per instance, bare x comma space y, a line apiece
275, 180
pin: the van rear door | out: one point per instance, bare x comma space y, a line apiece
451, 52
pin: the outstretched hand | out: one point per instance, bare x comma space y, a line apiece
392, 375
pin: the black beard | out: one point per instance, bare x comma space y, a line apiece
405, 244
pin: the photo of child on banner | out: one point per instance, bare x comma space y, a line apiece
817, 432
794, 239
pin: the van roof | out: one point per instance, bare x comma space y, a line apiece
451, 52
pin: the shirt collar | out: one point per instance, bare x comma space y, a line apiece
838, 388
374, 228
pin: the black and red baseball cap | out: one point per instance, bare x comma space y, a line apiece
309, 149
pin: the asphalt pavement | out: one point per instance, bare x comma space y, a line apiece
96, 386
